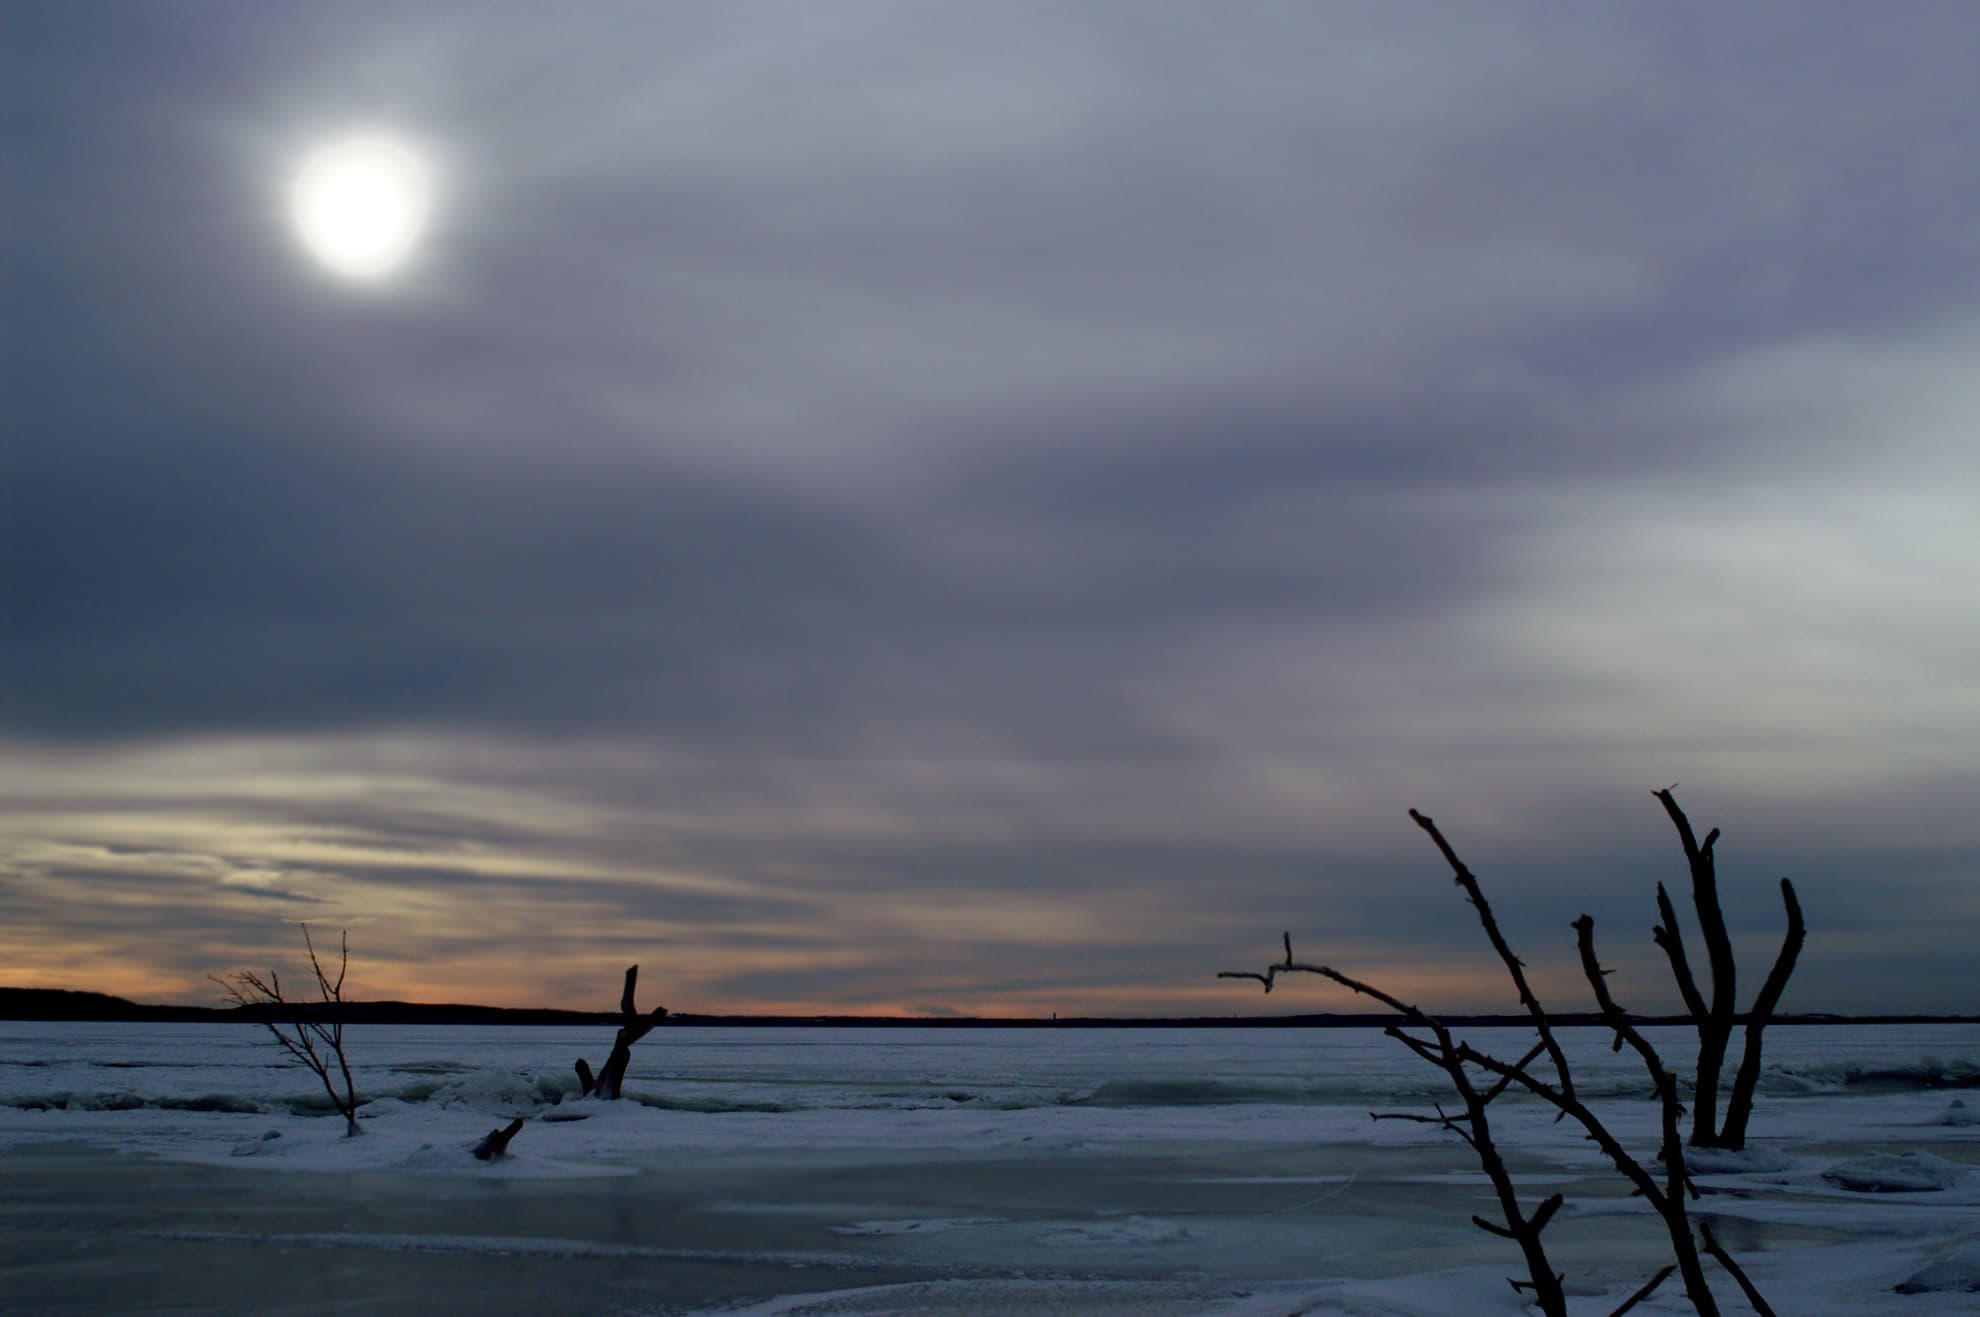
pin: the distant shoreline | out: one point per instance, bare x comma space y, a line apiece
56, 1004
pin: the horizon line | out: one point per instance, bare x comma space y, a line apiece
86, 1004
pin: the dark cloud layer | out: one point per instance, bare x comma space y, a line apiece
1040, 459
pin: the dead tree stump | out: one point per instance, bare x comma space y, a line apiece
497, 1142
1714, 1016
609, 1082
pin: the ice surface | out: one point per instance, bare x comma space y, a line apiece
1956, 1270
1957, 1113
1896, 1173
834, 1172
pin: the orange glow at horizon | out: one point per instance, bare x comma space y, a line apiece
591, 982
152, 869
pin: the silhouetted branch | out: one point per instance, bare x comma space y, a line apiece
1521, 1064
1739, 1106
1733, 1268
1671, 1203
1458, 1060
610, 1082
1473, 1126
1648, 1289
313, 1041
1670, 937
1514, 966
1713, 1019
1715, 1024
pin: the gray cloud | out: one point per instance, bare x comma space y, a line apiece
1014, 455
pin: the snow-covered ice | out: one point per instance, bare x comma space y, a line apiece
825, 1172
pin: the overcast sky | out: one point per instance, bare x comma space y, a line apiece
991, 508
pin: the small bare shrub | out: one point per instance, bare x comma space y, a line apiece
312, 1033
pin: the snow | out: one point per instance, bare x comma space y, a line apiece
1896, 1173
822, 1173
1956, 1270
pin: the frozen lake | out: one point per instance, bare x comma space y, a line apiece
818, 1170
766, 1070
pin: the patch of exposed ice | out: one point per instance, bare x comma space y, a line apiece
1422, 1295
933, 1225
1028, 1297
1955, 1271
1957, 1114
1336, 1178
1726, 1161
1896, 1173
1130, 1231
528, 1246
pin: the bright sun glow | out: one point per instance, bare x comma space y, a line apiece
360, 205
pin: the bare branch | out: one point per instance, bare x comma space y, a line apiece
1597, 1132
1433, 1053
1739, 1105
1714, 1019
1548, 1207
1670, 937
1677, 1184
1448, 1122
1532, 1053
1733, 1269
1648, 1289
609, 1083
298, 1033
1442, 1051
1614, 1015
1716, 1022
1669, 1193
1514, 967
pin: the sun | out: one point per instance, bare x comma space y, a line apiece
360, 205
